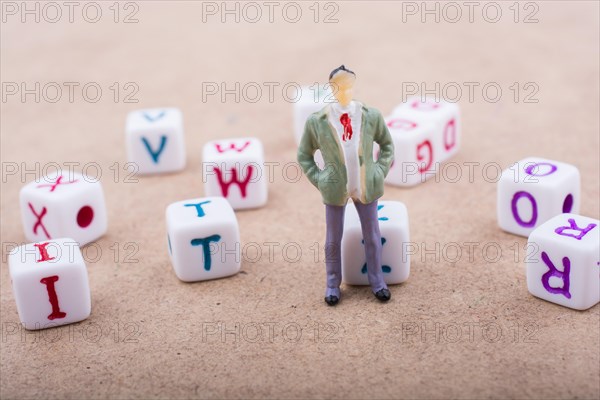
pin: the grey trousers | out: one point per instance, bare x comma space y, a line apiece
334, 218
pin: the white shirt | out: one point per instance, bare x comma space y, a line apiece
350, 147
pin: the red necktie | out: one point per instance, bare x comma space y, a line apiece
345, 120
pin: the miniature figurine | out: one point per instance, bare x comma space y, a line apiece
344, 131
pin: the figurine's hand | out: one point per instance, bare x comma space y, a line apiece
386, 146
306, 151
313, 173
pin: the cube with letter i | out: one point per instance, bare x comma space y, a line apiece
155, 140
533, 190
65, 204
50, 283
415, 154
394, 226
564, 267
446, 119
234, 169
203, 239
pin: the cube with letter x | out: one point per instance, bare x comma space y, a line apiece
203, 239
65, 204
155, 140
50, 283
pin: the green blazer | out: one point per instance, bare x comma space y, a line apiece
332, 181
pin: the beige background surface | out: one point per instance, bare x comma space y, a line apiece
149, 334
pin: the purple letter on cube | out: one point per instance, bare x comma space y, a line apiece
574, 227
530, 169
552, 271
515, 211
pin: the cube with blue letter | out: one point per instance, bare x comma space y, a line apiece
155, 140
203, 239
394, 226
564, 264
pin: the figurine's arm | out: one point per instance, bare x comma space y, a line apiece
306, 151
386, 145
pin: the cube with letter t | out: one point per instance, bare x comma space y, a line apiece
203, 239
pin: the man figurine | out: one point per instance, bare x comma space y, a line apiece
345, 131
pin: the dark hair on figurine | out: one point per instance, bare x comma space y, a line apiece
338, 69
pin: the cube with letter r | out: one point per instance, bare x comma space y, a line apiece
564, 268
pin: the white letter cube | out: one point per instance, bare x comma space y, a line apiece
444, 115
414, 155
155, 140
310, 100
50, 283
203, 239
394, 227
234, 169
533, 190
564, 266
67, 204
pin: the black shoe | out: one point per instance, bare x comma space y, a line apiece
383, 295
332, 300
